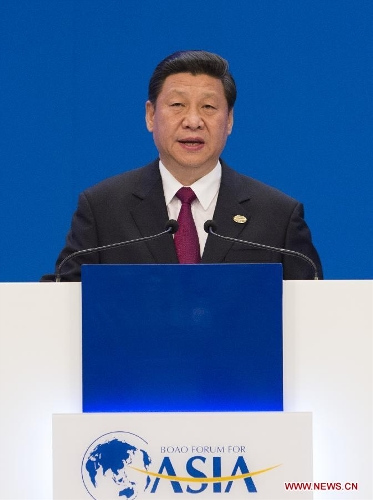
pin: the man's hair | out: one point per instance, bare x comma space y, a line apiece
196, 62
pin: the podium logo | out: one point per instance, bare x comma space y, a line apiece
118, 465
109, 466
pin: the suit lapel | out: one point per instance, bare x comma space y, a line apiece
150, 214
233, 199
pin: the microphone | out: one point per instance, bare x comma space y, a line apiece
210, 228
170, 228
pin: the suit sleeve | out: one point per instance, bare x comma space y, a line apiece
298, 238
82, 235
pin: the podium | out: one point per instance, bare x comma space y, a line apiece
327, 347
203, 344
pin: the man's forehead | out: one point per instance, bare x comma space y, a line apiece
182, 83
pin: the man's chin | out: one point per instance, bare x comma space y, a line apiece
190, 166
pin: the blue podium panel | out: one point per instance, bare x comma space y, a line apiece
182, 337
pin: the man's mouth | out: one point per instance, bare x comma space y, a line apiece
192, 142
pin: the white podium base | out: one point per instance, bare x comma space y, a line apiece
327, 371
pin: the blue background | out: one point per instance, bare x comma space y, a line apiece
74, 80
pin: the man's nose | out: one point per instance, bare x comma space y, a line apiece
193, 119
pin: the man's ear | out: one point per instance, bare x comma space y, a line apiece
230, 121
149, 115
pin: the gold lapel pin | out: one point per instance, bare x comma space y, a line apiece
240, 219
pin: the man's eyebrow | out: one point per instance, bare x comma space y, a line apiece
208, 93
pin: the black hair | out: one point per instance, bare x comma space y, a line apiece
196, 62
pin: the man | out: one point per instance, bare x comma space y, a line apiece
190, 114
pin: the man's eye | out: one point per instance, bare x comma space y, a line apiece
209, 106
176, 104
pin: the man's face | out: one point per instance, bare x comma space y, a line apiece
190, 124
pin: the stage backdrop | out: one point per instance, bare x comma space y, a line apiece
74, 81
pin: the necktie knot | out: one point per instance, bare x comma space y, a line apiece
186, 195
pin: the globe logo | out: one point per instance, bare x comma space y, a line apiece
108, 466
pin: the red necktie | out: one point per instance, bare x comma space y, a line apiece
186, 238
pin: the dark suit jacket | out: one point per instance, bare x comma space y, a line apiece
131, 205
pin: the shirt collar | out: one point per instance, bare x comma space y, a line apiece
205, 188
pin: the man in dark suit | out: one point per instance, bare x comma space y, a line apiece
190, 114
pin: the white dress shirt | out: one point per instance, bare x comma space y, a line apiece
203, 207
